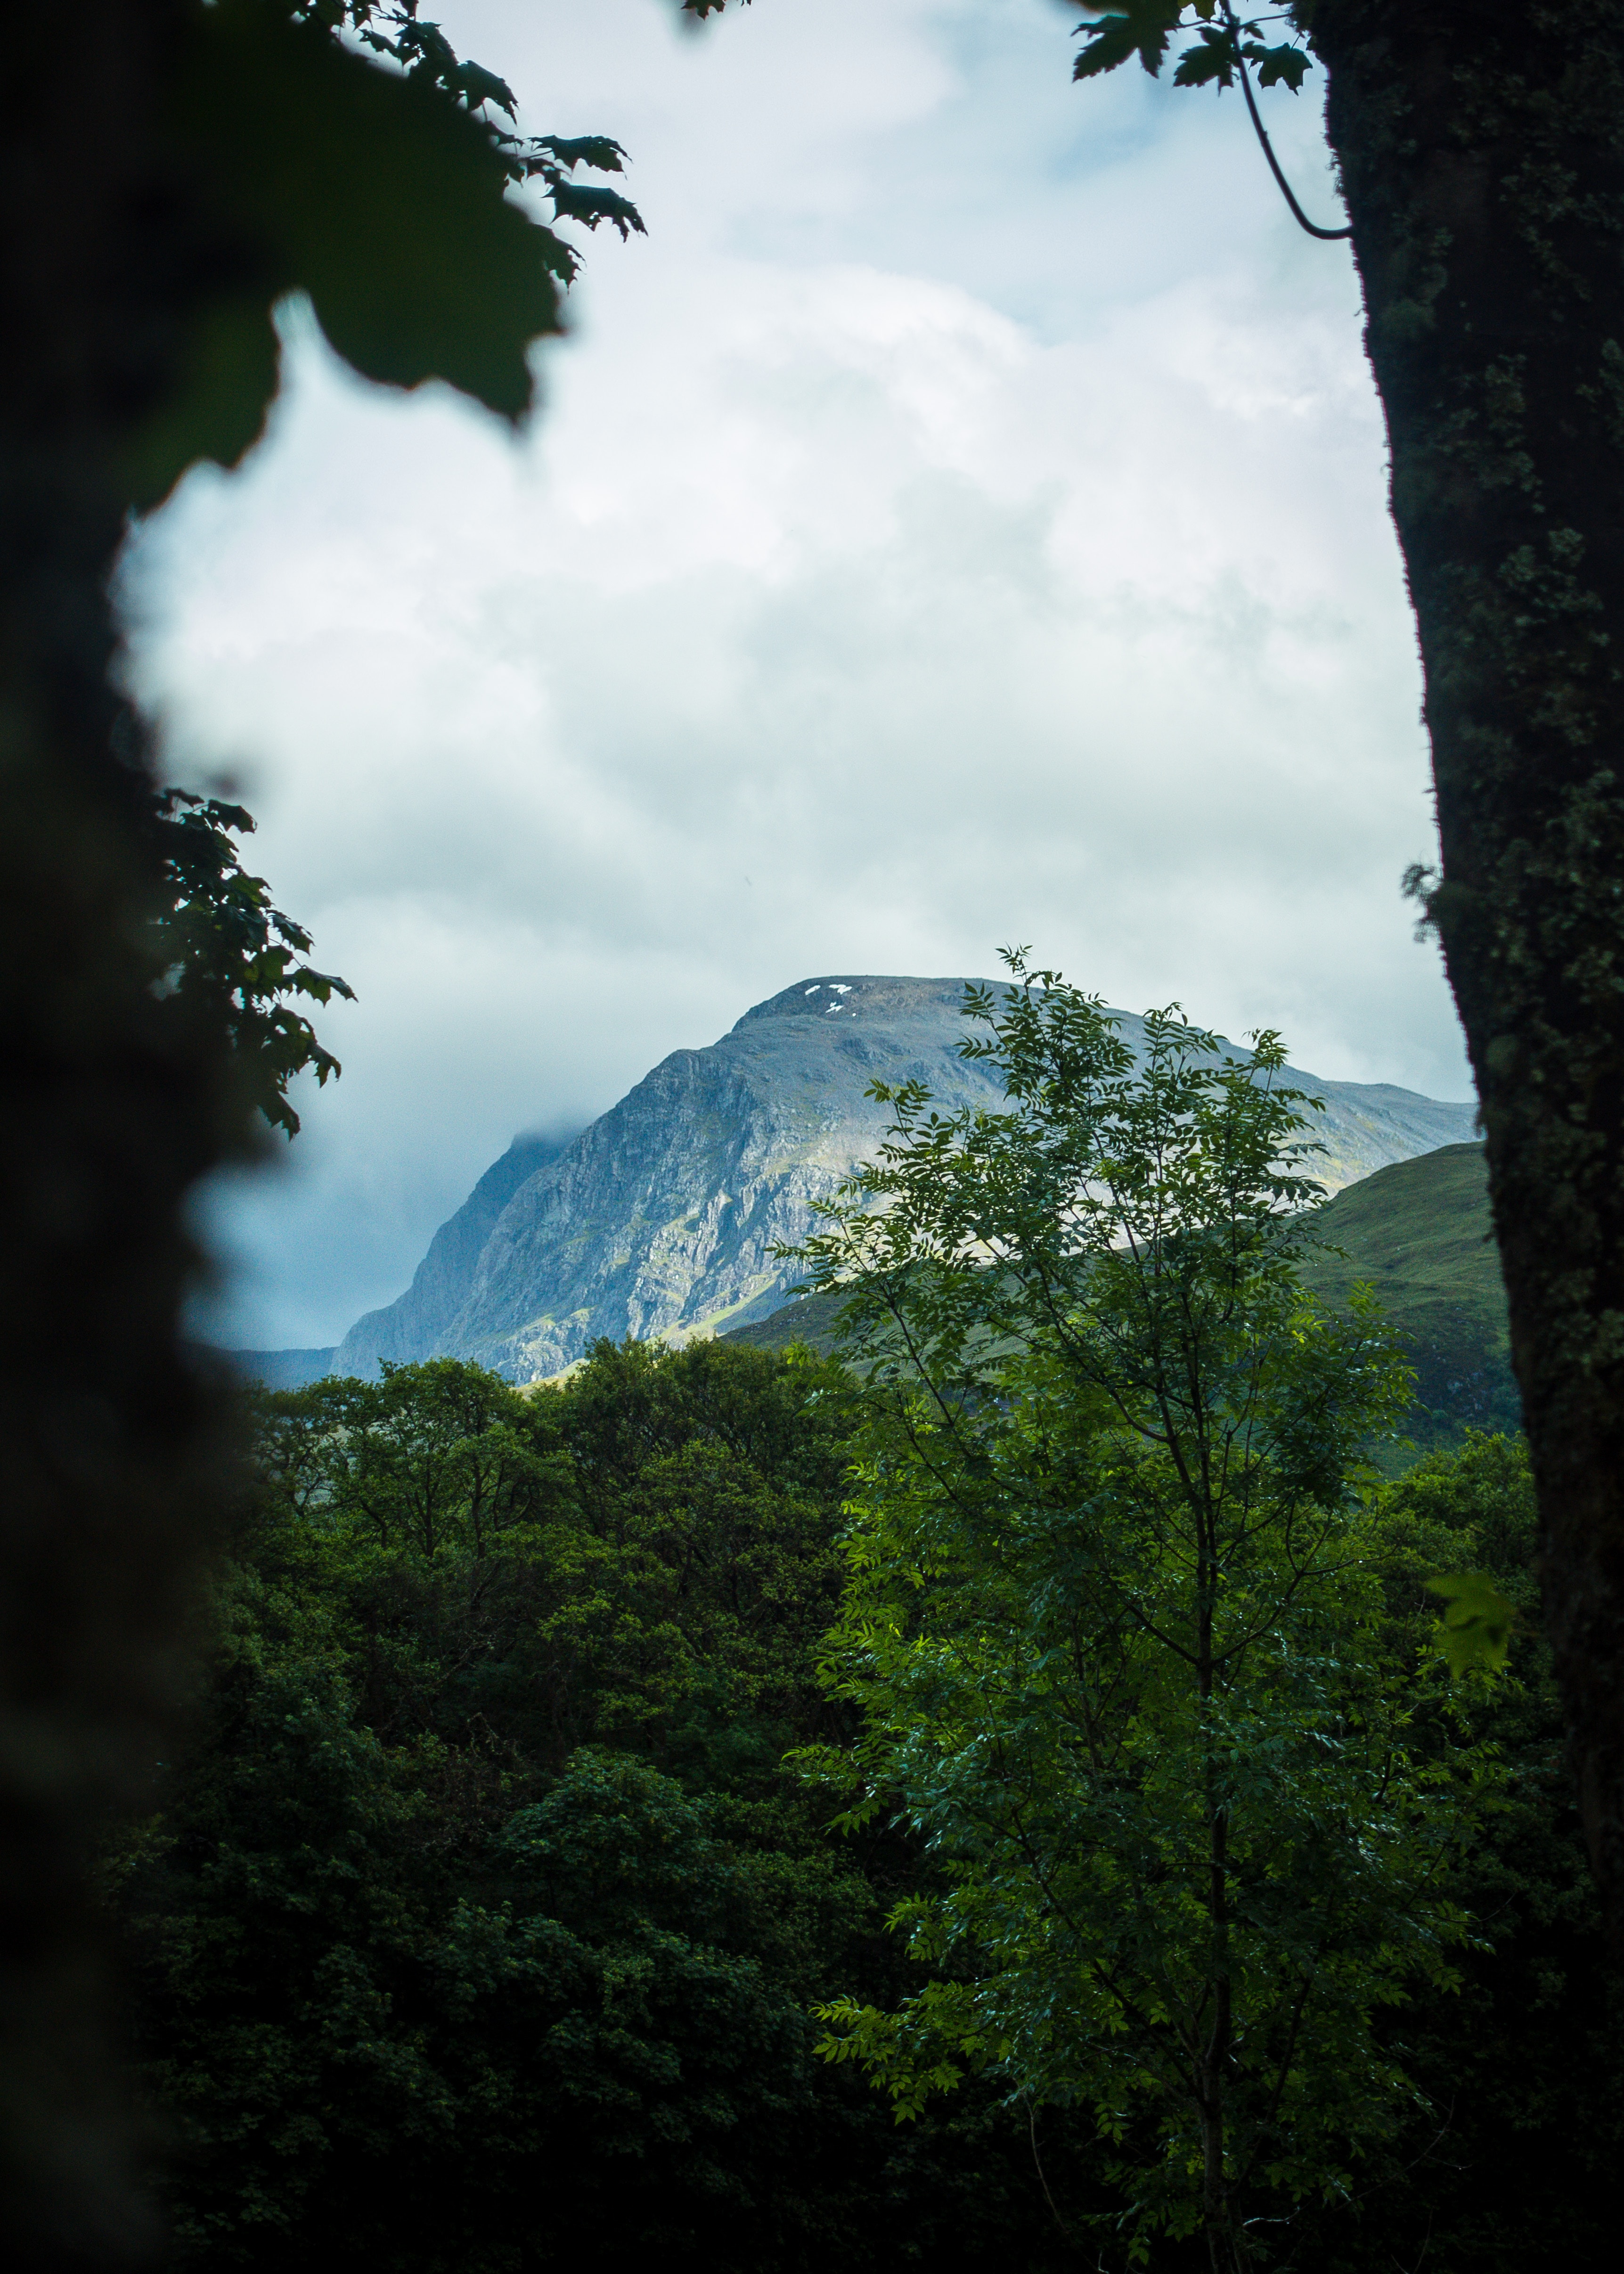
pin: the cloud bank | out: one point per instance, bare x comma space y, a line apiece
961, 522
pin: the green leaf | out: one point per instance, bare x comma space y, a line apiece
578, 201
1274, 64
374, 192
600, 152
1130, 27
1476, 1628
1214, 59
1110, 45
477, 86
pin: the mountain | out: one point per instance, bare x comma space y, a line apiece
1418, 1233
415, 1324
660, 1219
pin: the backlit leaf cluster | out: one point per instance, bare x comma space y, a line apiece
1126, 29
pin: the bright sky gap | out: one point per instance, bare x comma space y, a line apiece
961, 521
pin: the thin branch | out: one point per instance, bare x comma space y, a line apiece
1300, 217
1032, 2126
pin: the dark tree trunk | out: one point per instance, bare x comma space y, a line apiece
1482, 150
112, 1448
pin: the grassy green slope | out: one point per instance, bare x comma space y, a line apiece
1418, 1233
810, 1320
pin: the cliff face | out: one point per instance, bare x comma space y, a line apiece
415, 1325
661, 1218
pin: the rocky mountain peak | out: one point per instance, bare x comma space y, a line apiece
662, 1218
860, 995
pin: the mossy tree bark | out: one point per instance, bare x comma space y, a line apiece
1482, 152
113, 1449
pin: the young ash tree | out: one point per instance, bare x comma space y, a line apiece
1115, 1631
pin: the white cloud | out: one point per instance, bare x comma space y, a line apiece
961, 522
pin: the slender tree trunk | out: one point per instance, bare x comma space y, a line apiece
1213, 2060
1212, 2064
112, 1447
1481, 144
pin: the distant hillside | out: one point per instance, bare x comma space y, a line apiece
660, 1220
1418, 1233
281, 1370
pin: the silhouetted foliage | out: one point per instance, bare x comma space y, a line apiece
228, 956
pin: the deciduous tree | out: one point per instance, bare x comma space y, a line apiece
1114, 1624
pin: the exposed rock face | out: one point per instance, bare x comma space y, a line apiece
661, 1218
415, 1324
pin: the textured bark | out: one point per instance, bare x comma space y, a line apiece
1482, 152
111, 1449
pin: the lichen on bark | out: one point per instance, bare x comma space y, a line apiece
1481, 150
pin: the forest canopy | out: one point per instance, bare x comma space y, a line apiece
481, 1921
1041, 1707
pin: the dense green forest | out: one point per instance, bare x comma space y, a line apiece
481, 1923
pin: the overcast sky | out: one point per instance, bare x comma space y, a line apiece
961, 521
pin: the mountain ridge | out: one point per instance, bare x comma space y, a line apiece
400, 1330
660, 1219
